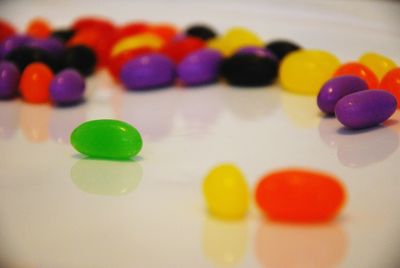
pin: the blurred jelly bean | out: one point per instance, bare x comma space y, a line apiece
226, 192
147, 72
67, 87
35, 82
305, 71
218, 44
336, 88
249, 70
39, 28
200, 67
131, 29
99, 23
379, 64
52, 45
201, 31
23, 56
178, 49
6, 30
258, 51
281, 48
367, 108
115, 63
9, 79
360, 70
238, 37
107, 138
149, 40
11, 43
165, 31
64, 35
80, 58
391, 83
299, 195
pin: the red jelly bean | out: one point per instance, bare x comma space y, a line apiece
115, 63
6, 30
179, 49
360, 70
391, 82
297, 195
102, 24
39, 28
35, 82
131, 29
165, 31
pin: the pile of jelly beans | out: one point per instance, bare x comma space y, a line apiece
287, 195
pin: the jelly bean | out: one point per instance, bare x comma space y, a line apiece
165, 31
200, 67
238, 37
249, 70
115, 63
6, 30
131, 29
67, 87
219, 44
137, 41
39, 28
147, 72
64, 35
11, 43
180, 48
360, 70
367, 108
378, 64
258, 51
297, 195
305, 71
99, 23
226, 192
201, 31
336, 88
23, 56
35, 82
9, 78
391, 83
281, 48
51, 45
80, 58
106, 138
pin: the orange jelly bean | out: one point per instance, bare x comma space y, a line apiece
391, 83
298, 195
359, 70
165, 31
39, 28
35, 82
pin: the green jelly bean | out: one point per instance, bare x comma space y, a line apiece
107, 138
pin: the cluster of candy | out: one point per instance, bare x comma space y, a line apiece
289, 195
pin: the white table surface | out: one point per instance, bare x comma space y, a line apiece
58, 210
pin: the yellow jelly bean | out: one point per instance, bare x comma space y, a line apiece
379, 64
305, 71
218, 44
226, 192
238, 37
141, 40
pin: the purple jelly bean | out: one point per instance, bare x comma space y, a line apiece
12, 43
147, 72
336, 88
258, 51
366, 108
67, 87
200, 67
9, 79
52, 45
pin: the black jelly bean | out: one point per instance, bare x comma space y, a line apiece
80, 58
281, 48
63, 34
201, 31
249, 70
23, 56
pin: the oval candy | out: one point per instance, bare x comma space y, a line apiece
336, 88
67, 87
107, 138
9, 78
360, 70
299, 195
226, 192
365, 108
379, 64
147, 72
200, 67
391, 83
